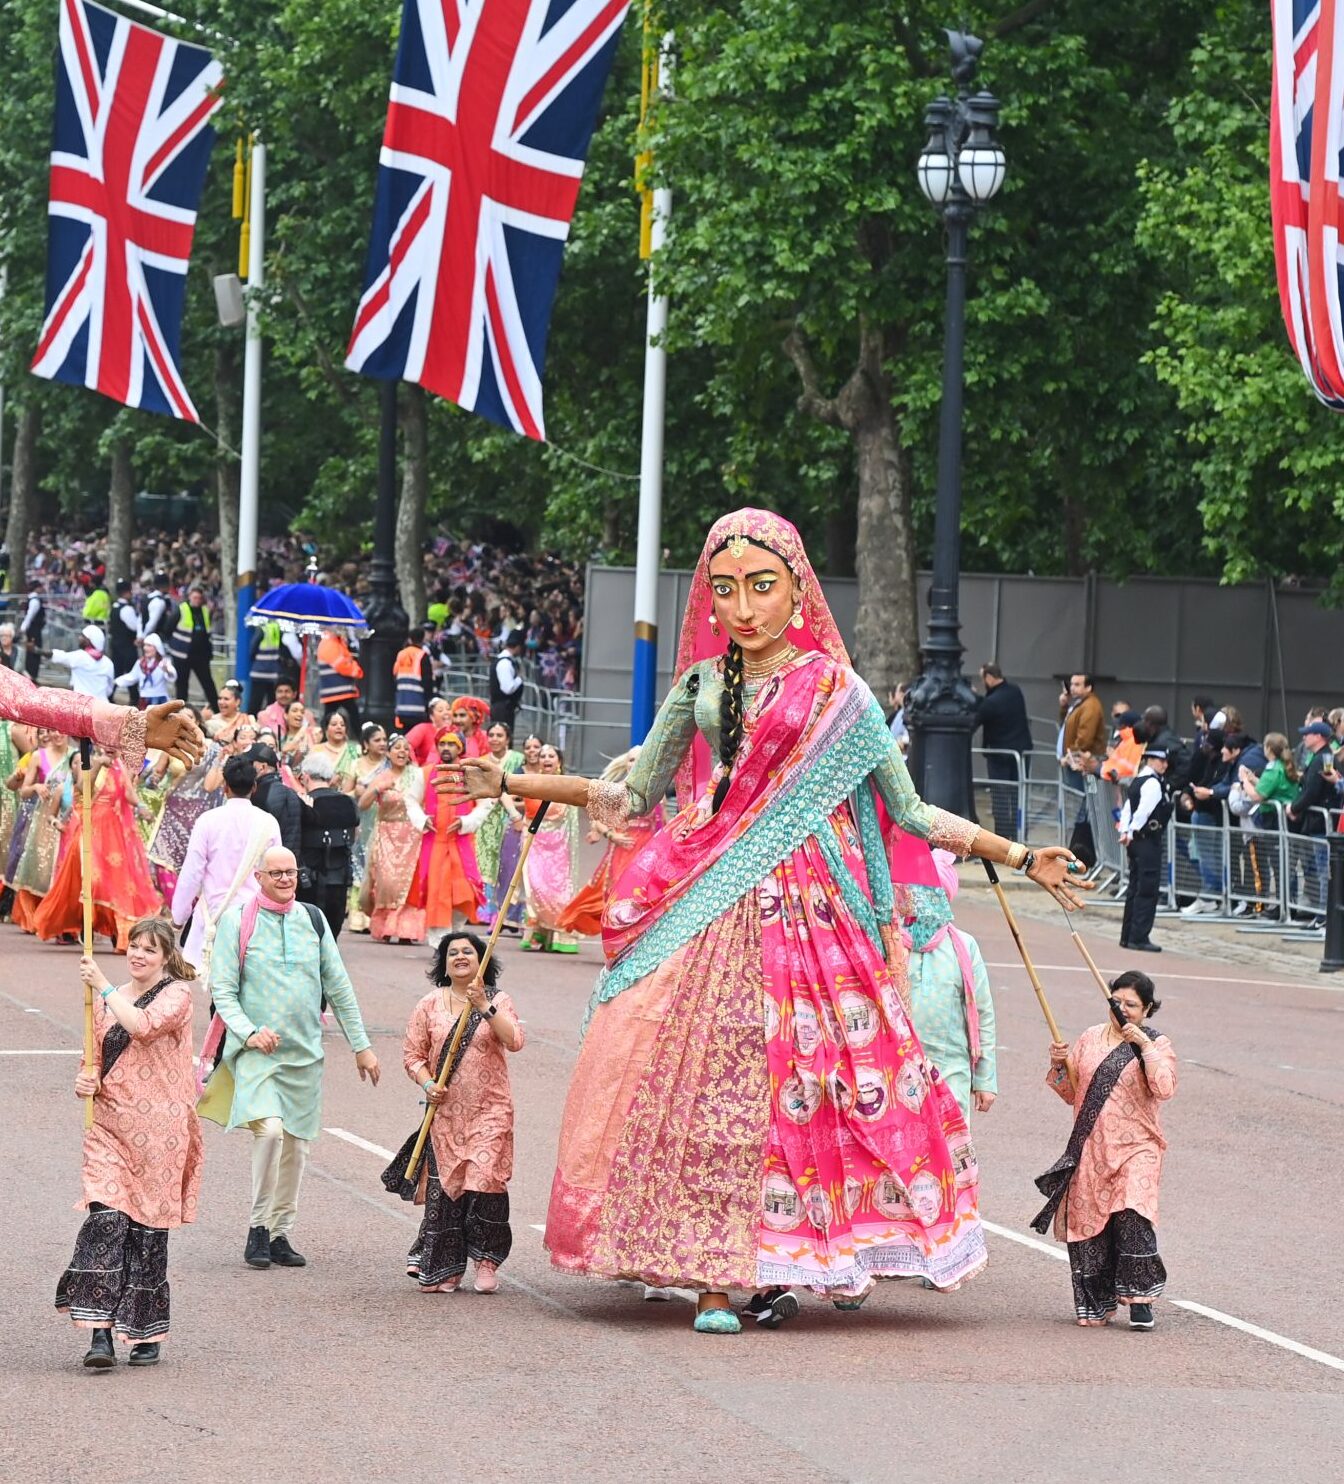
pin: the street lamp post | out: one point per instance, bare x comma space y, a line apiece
961, 168
386, 616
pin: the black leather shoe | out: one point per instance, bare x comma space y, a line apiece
1124, 943
1144, 948
100, 1355
257, 1253
284, 1256
145, 1353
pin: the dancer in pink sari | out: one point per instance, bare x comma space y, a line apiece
752, 1108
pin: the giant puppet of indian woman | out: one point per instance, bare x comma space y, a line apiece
751, 1108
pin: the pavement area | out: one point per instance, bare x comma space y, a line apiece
344, 1371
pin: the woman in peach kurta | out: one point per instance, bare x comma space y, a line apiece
463, 1181
1103, 1190
142, 1156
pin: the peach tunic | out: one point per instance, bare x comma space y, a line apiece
143, 1154
1121, 1164
472, 1132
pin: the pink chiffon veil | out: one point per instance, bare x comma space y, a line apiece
910, 858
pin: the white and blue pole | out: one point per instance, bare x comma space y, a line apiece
649, 549
249, 484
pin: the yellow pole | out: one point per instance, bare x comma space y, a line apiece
501, 912
244, 236
86, 892
239, 181
644, 159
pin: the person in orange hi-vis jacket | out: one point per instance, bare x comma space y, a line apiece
338, 675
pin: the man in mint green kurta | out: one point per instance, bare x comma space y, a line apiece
938, 1002
271, 1003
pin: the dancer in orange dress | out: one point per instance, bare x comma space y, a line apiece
142, 1156
584, 913
454, 892
123, 889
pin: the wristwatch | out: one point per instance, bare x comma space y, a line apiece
490, 1013
1030, 860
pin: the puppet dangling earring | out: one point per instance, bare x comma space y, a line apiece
797, 620
714, 625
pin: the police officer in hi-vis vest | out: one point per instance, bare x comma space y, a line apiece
413, 675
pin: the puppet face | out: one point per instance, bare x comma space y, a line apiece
754, 594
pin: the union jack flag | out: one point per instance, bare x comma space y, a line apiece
1305, 139
130, 148
492, 108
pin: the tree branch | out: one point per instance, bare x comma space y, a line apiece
339, 383
1020, 17
813, 401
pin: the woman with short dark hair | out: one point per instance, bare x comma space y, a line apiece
463, 1179
1103, 1190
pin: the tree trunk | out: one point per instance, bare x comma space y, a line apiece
121, 513
410, 545
228, 476
886, 631
21, 493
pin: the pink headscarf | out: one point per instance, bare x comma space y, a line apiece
699, 642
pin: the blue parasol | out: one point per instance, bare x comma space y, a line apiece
308, 608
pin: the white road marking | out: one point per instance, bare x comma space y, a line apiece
1172, 974
31, 1010
1033, 1242
1321, 1357
359, 1143
63, 1051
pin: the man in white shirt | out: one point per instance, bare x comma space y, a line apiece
1142, 823
92, 673
506, 682
219, 869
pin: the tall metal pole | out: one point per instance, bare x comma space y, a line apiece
941, 705
649, 547
941, 702
249, 487
386, 616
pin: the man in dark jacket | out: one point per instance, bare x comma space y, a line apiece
1318, 790
1002, 713
330, 823
276, 797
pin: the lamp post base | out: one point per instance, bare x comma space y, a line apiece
940, 712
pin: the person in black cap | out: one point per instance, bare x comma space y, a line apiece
506, 682
1316, 793
1143, 818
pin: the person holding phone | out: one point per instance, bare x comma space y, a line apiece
1103, 1190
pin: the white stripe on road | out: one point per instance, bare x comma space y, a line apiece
1321, 1357
31, 1010
1032, 1242
1172, 974
63, 1051
359, 1143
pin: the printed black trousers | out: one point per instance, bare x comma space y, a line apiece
118, 1277
1120, 1262
475, 1226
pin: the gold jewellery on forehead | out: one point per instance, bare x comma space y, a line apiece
737, 546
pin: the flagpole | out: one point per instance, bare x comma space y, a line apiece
249, 482
649, 548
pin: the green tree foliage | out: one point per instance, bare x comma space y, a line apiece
1131, 404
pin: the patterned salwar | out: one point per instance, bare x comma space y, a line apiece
141, 1172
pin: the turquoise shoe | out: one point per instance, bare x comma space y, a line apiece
717, 1322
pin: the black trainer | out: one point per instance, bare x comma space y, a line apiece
771, 1308
145, 1353
284, 1256
100, 1355
257, 1253
1141, 1316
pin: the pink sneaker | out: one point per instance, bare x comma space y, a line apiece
486, 1279
449, 1287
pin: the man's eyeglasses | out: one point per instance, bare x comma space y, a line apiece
280, 875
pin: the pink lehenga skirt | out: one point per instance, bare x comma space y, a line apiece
758, 1111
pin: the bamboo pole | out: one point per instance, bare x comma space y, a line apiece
501, 912
86, 892
1035, 978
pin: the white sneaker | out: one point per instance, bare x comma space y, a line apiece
1200, 907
